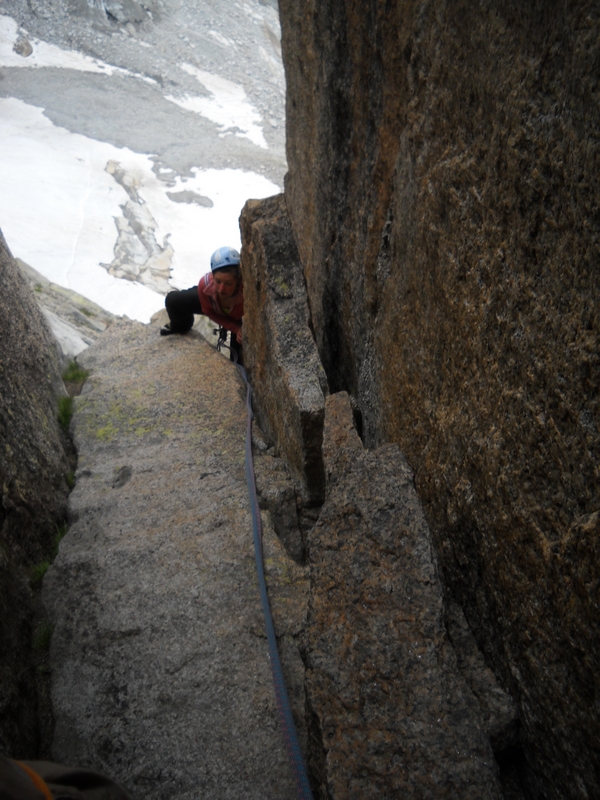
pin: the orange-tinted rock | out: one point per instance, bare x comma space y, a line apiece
443, 194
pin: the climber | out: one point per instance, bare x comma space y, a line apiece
43, 780
219, 295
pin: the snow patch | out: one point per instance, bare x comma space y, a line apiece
228, 106
60, 213
221, 39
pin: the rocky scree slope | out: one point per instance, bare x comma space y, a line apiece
164, 42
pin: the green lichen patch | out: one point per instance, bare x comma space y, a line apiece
74, 373
37, 574
65, 412
42, 636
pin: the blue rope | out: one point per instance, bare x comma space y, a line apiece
286, 719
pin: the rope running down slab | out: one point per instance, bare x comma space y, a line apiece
286, 719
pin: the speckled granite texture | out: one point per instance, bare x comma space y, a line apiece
160, 668
443, 194
392, 715
287, 376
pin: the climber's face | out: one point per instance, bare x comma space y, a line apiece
225, 284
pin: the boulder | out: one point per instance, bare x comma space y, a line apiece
391, 714
280, 355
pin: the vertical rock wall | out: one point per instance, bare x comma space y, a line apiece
280, 354
33, 469
442, 188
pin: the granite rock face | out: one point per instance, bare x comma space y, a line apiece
279, 352
500, 717
33, 472
443, 195
391, 713
160, 669
277, 493
74, 320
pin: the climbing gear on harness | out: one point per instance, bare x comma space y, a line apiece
222, 340
224, 257
283, 703
235, 349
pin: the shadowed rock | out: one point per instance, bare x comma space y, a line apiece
276, 492
391, 714
443, 193
33, 488
280, 354
497, 707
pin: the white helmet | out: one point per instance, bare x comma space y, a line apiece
224, 257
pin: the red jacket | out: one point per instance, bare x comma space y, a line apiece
210, 306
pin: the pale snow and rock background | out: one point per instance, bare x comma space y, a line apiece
132, 134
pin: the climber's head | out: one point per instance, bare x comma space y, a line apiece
224, 258
225, 267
